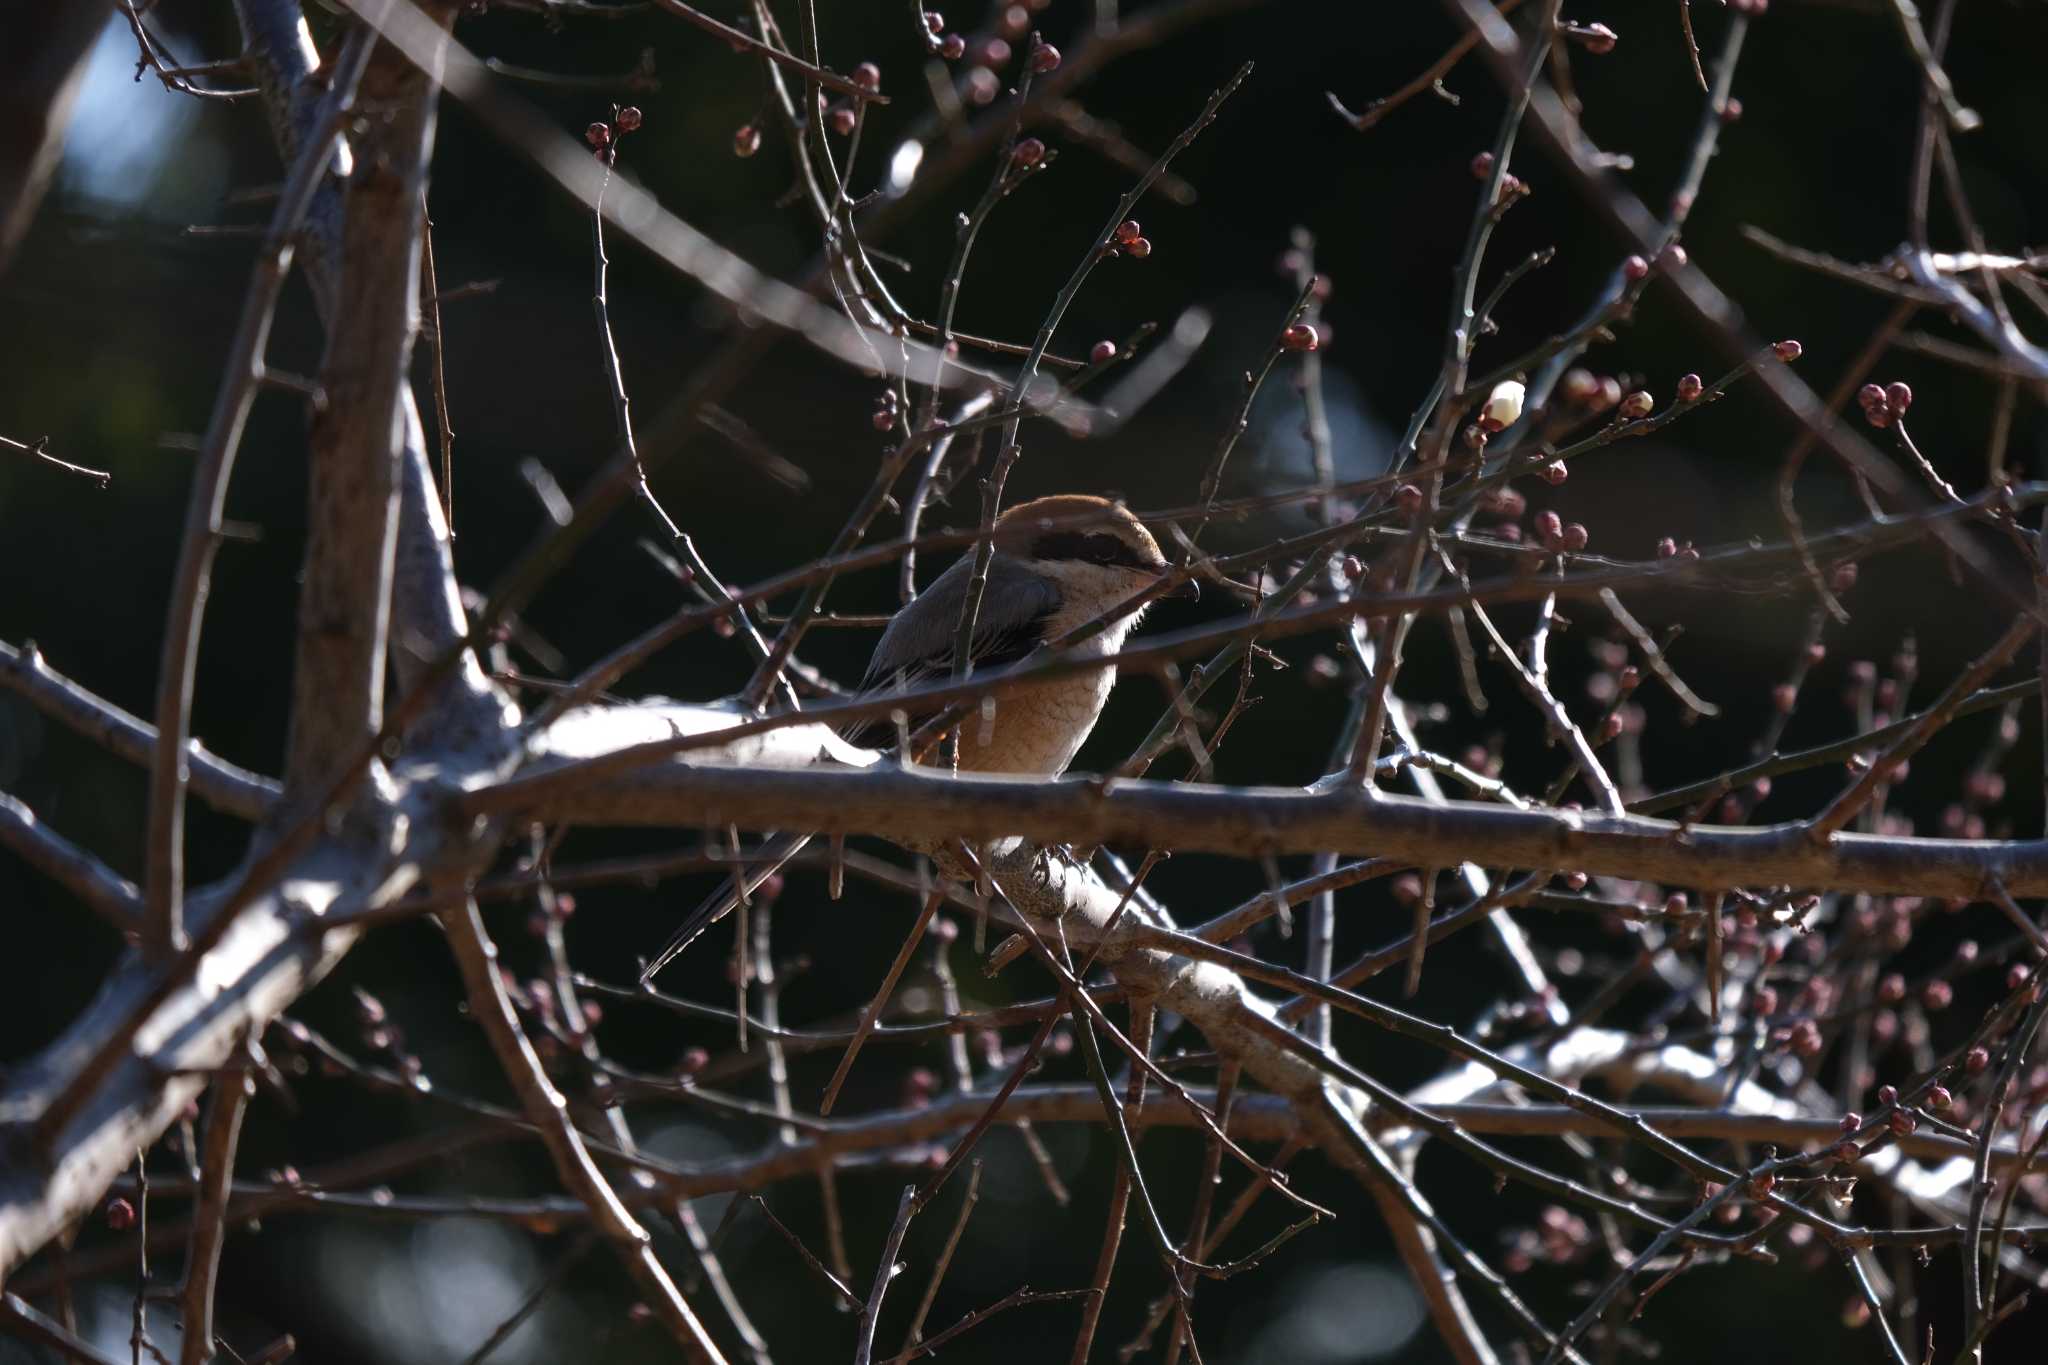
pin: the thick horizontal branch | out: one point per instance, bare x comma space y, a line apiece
1156, 650
219, 783
915, 805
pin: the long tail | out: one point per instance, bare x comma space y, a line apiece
779, 849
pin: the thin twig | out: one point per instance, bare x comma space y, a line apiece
231, 1093
871, 1311
40, 450
491, 1006
163, 886
873, 1013
915, 1333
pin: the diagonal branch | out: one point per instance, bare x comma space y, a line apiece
226, 787
104, 891
491, 1006
128, 1065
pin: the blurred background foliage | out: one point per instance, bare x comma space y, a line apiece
119, 316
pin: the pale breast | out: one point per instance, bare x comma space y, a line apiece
1038, 728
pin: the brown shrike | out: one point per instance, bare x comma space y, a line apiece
1058, 563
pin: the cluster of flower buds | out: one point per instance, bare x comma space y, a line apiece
1588, 391
920, 1083
1560, 1237
951, 46
1556, 535
1884, 406
1512, 187
1636, 268
604, 138
1508, 505
1129, 239
843, 117
381, 1035
991, 51
887, 408
553, 910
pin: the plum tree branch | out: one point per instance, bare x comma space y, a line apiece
358, 434
913, 804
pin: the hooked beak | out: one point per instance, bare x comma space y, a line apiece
1190, 591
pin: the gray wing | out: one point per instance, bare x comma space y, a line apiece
1010, 624
918, 646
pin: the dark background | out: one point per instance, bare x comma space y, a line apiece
117, 322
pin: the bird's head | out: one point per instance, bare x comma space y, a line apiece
1094, 549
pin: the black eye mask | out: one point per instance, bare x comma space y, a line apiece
1089, 548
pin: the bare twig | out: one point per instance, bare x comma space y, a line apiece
492, 1007
40, 451
885, 1271
209, 1213
164, 885
103, 891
